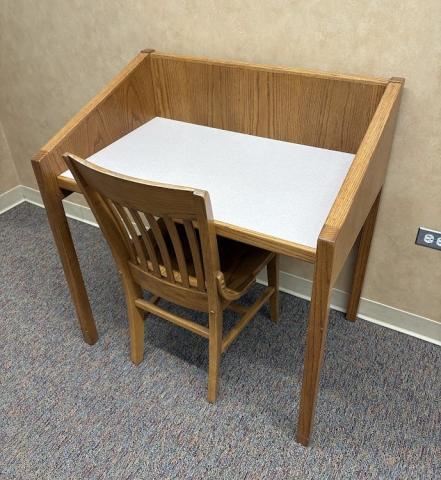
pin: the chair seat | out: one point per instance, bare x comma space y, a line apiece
240, 263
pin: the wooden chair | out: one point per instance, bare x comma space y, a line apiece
163, 240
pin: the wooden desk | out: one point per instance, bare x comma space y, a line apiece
314, 190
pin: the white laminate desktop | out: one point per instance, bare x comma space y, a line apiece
271, 187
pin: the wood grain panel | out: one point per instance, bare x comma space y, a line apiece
126, 102
123, 105
364, 247
316, 338
364, 179
319, 110
372, 80
52, 198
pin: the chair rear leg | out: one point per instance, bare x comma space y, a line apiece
136, 320
214, 351
273, 281
136, 330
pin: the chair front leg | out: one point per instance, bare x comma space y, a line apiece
136, 330
215, 325
136, 319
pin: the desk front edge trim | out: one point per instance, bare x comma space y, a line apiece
277, 245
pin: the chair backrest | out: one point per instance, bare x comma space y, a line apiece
140, 221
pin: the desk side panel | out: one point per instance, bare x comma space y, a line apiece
365, 178
123, 105
326, 111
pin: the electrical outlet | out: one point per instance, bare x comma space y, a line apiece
428, 238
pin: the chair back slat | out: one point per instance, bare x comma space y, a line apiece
128, 223
195, 250
164, 233
179, 251
163, 249
151, 253
122, 229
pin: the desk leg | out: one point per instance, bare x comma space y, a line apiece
52, 197
361, 262
316, 339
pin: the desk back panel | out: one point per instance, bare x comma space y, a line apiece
320, 110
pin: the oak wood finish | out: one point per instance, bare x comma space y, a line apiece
124, 104
316, 338
354, 201
342, 112
277, 245
364, 179
372, 80
327, 111
243, 322
273, 281
52, 197
361, 263
181, 322
173, 252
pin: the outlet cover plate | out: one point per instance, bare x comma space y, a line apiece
428, 238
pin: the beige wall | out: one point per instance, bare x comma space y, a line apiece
56, 54
8, 172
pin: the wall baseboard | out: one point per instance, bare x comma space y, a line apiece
11, 198
369, 310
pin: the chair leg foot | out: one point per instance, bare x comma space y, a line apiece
213, 377
212, 388
136, 331
273, 281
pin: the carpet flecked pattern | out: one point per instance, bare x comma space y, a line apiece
72, 411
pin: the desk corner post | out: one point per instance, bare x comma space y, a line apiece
364, 247
46, 174
316, 337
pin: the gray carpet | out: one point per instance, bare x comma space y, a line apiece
71, 411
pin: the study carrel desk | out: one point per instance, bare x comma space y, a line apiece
341, 113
